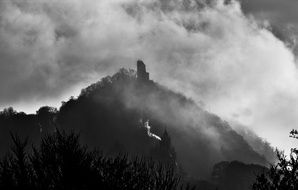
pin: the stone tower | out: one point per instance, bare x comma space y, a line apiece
142, 74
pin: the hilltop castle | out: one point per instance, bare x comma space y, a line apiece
142, 74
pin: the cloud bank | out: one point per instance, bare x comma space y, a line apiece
208, 50
279, 16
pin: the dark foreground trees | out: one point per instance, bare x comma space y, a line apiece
61, 162
283, 175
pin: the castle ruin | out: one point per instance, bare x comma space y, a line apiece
142, 74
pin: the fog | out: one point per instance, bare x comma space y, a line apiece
208, 50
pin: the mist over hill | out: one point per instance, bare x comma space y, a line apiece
111, 114
221, 92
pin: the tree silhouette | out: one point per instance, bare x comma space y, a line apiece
46, 117
8, 112
61, 162
14, 167
283, 175
164, 151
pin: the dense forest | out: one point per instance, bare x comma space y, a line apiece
122, 114
61, 162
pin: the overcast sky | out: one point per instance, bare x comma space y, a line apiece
281, 14
279, 11
237, 59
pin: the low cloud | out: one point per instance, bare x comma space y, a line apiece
209, 50
279, 16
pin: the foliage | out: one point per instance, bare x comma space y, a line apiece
164, 151
8, 112
282, 175
61, 162
108, 113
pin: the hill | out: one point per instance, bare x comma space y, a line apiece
112, 114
